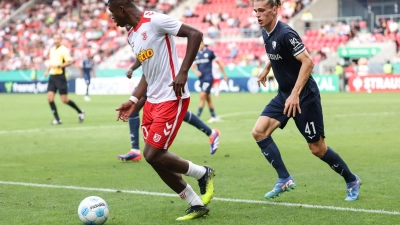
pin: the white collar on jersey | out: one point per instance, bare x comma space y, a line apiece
272, 28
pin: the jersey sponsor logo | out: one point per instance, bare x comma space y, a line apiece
274, 45
156, 137
296, 44
274, 57
144, 35
200, 61
145, 55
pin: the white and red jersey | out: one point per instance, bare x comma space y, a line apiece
155, 48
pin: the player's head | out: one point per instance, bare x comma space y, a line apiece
119, 11
267, 11
57, 39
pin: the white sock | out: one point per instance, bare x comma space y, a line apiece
190, 196
135, 150
195, 171
212, 133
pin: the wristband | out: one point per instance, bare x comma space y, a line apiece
133, 99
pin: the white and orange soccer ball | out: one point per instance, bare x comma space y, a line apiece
93, 210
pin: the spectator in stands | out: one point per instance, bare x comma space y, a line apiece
233, 50
388, 68
188, 12
379, 28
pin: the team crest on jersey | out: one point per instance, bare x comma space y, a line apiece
205, 55
145, 55
144, 35
274, 45
156, 137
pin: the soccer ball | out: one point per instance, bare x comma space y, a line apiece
93, 210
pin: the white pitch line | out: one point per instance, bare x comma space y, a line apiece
287, 204
59, 129
220, 116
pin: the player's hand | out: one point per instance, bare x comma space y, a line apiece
125, 110
262, 77
45, 73
198, 73
292, 105
129, 73
179, 84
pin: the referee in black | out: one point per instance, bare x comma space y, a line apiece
59, 58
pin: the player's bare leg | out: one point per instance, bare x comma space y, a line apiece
161, 159
328, 155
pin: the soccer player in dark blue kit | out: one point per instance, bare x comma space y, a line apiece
298, 98
203, 62
87, 72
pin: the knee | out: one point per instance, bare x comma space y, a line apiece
257, 134
317, 150
152, 159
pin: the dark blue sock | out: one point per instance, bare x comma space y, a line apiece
212, 113
338, 165
134, 122
195, 121
199, 111
272, 154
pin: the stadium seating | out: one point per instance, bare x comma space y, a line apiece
85, 24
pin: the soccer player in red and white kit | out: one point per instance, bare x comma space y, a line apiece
167, 97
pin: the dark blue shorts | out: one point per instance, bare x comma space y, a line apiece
206, 85
310, 122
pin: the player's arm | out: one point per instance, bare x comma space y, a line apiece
306, 68
195, 70
94, 70
221, 67
141, 88
134, 66
262, 77
194, 37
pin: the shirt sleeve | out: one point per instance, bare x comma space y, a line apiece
163, 24
293, 43
212, 55
66, 55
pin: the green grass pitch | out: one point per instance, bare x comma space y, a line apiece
68, 159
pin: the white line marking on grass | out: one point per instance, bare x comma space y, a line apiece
60, 129
220, 116
335, 208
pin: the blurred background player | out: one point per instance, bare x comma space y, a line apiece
134, 122
216, 71
203, 62
86, 73
59, 58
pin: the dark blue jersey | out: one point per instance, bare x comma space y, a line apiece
204, 64
87, 66
283, 44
